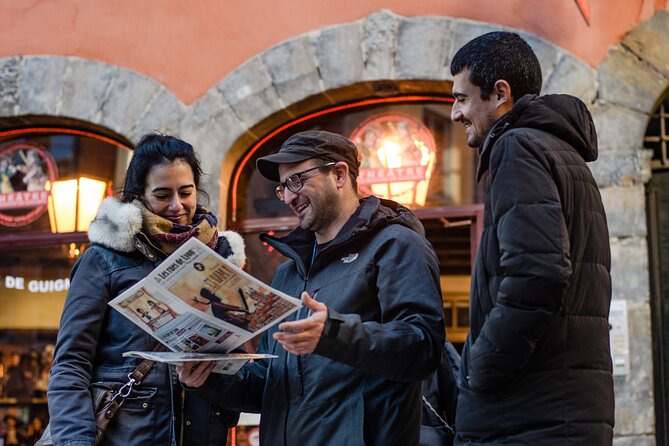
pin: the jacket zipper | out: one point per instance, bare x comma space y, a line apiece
300, 368
183, 414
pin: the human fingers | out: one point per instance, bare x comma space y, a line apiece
296, 326
312, 304
195, 374
299, 348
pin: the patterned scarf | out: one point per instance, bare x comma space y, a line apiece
169, 236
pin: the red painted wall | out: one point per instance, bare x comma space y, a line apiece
191, 45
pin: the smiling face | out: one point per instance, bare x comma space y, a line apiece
316, 204
170, 192
477, 115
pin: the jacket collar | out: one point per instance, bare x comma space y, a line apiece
498, 128
116, 225
372, 215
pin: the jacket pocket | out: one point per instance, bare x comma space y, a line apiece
329, 422
135, 420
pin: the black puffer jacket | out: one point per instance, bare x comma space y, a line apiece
379, 278
536, 368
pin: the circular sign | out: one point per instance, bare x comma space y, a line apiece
397, 157
26, 172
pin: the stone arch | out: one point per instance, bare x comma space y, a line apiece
383, 53
105, 95
632, 80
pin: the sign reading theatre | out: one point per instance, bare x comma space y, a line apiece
397, 155
26, 171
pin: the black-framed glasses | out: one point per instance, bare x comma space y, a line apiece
295, 182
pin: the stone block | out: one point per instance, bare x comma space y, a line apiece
40, 84
635, 440
86, 85
380, 31
129, 96
423, 47
650, 41
205, 140
163, 114
572, 76
618, 128
626, 168
10, 68
214, 133
293, 67
625, 211
629, 269
250, 92
340, 55
626, 80
208, 106
634, 393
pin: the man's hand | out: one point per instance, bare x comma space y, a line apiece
301, 337
194, 374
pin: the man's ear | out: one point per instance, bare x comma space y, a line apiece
341, 173
502, 96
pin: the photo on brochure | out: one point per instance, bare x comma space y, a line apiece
149, 310
214, 289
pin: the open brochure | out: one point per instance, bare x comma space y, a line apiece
195, 301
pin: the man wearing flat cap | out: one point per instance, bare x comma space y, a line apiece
350, 363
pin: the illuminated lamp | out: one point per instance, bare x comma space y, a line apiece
74, 203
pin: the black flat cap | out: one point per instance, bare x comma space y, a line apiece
310, 144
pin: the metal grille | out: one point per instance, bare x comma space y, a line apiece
657, 138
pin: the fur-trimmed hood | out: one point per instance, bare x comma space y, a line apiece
117, 224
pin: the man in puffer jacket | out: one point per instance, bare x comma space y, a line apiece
536, 367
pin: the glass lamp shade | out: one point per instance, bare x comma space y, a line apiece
74, 203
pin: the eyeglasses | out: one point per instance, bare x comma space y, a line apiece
295, 182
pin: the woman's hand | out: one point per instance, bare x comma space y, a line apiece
194, 374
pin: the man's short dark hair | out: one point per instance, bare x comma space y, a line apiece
499, 55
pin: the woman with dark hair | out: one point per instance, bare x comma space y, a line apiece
157, 211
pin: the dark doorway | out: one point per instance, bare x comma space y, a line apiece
658, 243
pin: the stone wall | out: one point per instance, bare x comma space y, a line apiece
283, 81
632, 79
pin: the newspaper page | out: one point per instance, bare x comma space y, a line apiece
228, 363
195, 301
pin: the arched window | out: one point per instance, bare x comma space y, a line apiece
410, 152
49, 178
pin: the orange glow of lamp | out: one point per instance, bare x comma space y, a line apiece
74, 203
397, 155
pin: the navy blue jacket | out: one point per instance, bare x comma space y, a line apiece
91, 340
379, 278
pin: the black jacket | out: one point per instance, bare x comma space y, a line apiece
380, 281
536, 367
92, 338
440, 393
